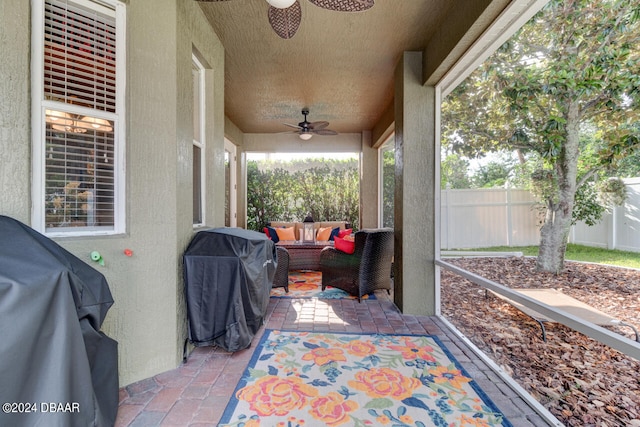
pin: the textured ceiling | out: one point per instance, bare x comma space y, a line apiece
339, 64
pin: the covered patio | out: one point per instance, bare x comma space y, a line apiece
201, 78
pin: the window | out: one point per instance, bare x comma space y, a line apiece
198, 142
78, 163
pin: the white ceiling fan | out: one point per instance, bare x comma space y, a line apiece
285, 15
306, 129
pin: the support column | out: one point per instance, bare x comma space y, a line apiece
415, 290
368, 183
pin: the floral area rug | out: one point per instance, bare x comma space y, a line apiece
308, 284
297, 379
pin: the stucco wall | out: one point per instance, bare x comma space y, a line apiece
369, 182
291, 143
15, 133
148, 318
416, 178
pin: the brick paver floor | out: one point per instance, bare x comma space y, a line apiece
197, 392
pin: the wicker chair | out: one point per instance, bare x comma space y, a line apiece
281, 278
367, 269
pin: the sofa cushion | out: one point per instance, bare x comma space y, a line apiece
333, 224
334, 232
298, 226
286, 233
323, 233
344, 245
271, 232
346, 232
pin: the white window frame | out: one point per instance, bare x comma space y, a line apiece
38, 125
200, 104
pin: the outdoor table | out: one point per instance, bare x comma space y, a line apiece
304, 255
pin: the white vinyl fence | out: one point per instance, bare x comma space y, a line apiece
619, 229
481, 218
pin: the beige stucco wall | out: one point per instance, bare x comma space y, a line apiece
148, 318
416, 184
369, 182
15, 132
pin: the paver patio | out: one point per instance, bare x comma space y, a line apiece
196, 393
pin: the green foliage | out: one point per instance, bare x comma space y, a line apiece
629, 165
612, 192
493, 174
522, 173
580, 51
574, 66
289, 191
388, 187
454, 172
587, 207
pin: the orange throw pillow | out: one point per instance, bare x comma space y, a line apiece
344, 245
324, 233
286, 233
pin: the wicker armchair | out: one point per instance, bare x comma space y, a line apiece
367, 269
281, 278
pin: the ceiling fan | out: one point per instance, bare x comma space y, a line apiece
307, 129
285, 15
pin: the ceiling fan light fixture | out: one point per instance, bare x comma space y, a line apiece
58, 118
62, 122
281, 4
305, 136
65, 122
96, 124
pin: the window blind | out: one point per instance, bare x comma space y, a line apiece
79, 76
79, 58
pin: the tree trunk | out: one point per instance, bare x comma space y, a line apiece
555, 231
553, 240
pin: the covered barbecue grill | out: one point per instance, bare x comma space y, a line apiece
228, 274
53, 356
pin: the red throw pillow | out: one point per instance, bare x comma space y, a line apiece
266, 231
346, 232
344, 245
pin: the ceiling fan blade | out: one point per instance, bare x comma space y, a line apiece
292, 126
285, 22
318, 125
324, 132
344, 5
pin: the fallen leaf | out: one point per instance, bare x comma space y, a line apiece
569, 372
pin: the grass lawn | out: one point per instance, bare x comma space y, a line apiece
580, 253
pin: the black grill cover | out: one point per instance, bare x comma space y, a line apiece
52, 352
228, 274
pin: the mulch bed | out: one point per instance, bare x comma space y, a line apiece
579, 380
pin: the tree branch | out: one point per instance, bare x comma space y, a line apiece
588, 176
